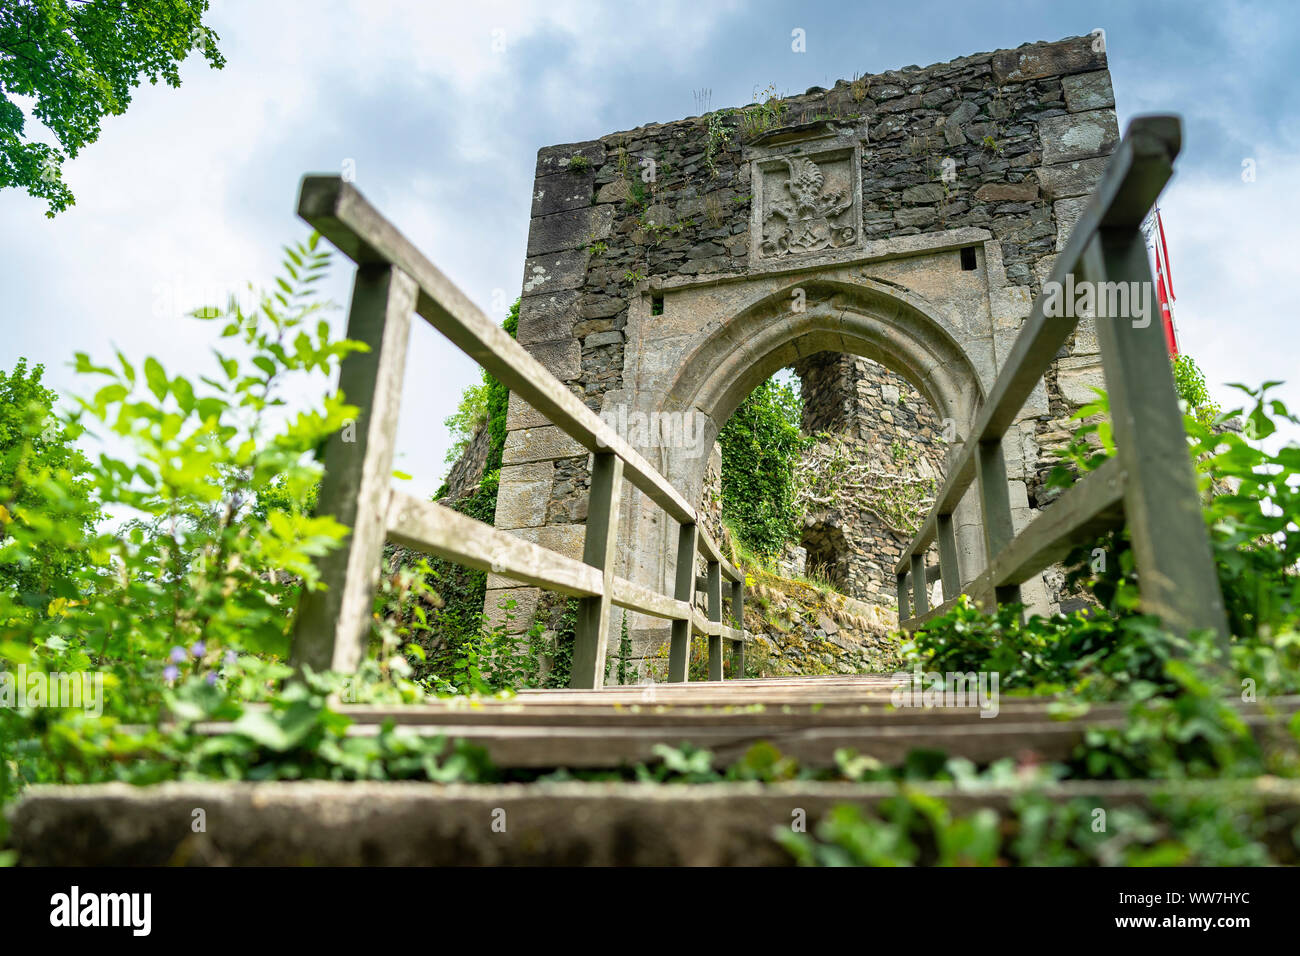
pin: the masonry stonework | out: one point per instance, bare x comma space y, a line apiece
907, 218
867, 484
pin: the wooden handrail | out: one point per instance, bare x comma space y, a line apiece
393, 279
1152, 475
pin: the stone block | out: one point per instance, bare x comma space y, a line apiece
1078, 178
546, 318
562, 358
1078, 136
1077, 384
1088, 91
561, 191
519, 414
579, 158
533, 471
539, 444
925, 193
515, 620
1007, 192
1011, 305
1067, 213
603, 338
563, 539
522, 504
617, 191
1036, 60
921, 216
1036, 405
573, 229
555, 271
963, 114
1085, 338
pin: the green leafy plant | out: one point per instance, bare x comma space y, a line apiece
761, 444
1189, 381
187, 568
80, 62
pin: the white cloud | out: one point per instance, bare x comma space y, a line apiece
1232, 251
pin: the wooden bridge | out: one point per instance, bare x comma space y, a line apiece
817, 722
1150, 484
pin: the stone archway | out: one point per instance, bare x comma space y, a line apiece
747, 330
860, 316
908, 218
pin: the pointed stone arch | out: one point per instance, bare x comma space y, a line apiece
863, 317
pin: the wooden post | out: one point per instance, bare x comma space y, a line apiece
1175, 568
591, 636
333, 625
903, 612
714, 595
738, 619
920, 599
679, 651
995, 510
949, 565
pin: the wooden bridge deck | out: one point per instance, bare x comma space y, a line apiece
808, 719
570, 823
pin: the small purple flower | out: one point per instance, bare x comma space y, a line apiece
178, 655
211, 677
230, 658
171, 672
199, 649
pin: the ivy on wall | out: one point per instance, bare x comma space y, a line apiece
463, 589
761, 446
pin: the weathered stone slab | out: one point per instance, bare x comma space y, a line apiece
597, 339
1077, 384
1011, 305
574, 229
1088, 91
519, 414
1078, 136
615, 191
555, 271
1007, 192
565, 539
524, 507
514, 620
1067, 213
532, 471
584, 158
545, 318
561, 191
562, 358
1077, 178
1037, 60
539, 444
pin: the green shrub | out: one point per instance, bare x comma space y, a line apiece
761, 443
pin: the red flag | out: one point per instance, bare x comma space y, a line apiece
1164, 281
1164, 252
1166, 314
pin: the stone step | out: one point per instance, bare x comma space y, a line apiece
401, 824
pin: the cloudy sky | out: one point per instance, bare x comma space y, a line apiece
441, 107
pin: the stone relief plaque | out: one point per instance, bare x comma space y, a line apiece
806, 201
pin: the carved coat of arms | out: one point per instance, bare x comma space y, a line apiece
806, 221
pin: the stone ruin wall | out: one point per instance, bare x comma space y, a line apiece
888, 427
1025, 134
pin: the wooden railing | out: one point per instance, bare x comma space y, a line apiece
393, 279
1149, 483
